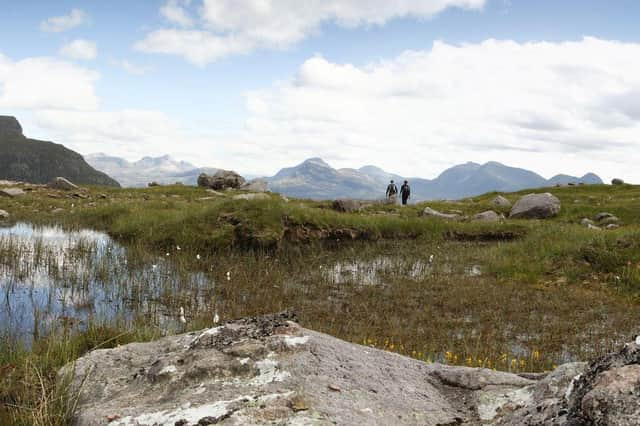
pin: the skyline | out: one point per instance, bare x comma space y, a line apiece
413, 87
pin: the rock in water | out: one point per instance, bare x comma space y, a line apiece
346, 206
63, 184
536, 206
269, 370
500, 201
223, 179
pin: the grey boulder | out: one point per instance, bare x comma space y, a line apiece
536, 206
252, 196
4, 215
500, 201
256, 185
346, 206
488, 216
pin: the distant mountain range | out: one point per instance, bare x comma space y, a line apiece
163, 170
30, 160
316, 179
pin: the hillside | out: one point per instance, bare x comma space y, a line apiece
34, 161
164, 170
315, 179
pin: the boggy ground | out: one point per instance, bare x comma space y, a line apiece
515, 296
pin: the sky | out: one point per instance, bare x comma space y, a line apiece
412, 86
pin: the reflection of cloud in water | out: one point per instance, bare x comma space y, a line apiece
51, 277
371, 271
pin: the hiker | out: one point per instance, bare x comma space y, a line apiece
392, 192
405, 192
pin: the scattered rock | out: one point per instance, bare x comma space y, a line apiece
601, 216
609, 220
214, 192
62, 184
153, 184
4, 215
11, 192
256, 185
612, 226
429, 212
587, 222
258, 196
57, 211
536, 206
102, 196
594, 227
488, 216
617, 181
500, 201
221, 180
346, 206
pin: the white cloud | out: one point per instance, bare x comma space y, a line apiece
131, 68
240, 26
552, 107
58, 24
175, 12
46, 83
80, 49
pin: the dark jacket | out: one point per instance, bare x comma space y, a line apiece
405, 190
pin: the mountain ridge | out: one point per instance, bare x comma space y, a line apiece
36, 161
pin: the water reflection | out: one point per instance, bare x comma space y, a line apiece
51, 278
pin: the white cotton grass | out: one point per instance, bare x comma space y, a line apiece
228, 275
431, 258
178, 248
182, 318
197, 256
637, 340
216, 318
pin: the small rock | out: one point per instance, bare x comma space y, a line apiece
500, 201
346, 206
612, 226
488, 216
11, 192
102, 196
594, 227
429, 212
214, 192
587, 222
601, 216
334, 388
57, 211
62, 184
609, 220
253, 196
4, 215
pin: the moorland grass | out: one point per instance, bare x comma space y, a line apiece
549, 291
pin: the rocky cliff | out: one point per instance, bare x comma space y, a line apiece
34, 161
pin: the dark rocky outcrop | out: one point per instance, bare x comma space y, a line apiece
617, 181
34, 161
221, 180
536, 206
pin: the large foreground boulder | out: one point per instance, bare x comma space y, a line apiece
269, 370
536, 206
222, 179
501, 201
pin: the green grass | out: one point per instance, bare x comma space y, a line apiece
550, 291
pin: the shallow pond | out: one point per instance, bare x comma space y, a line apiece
51, 279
